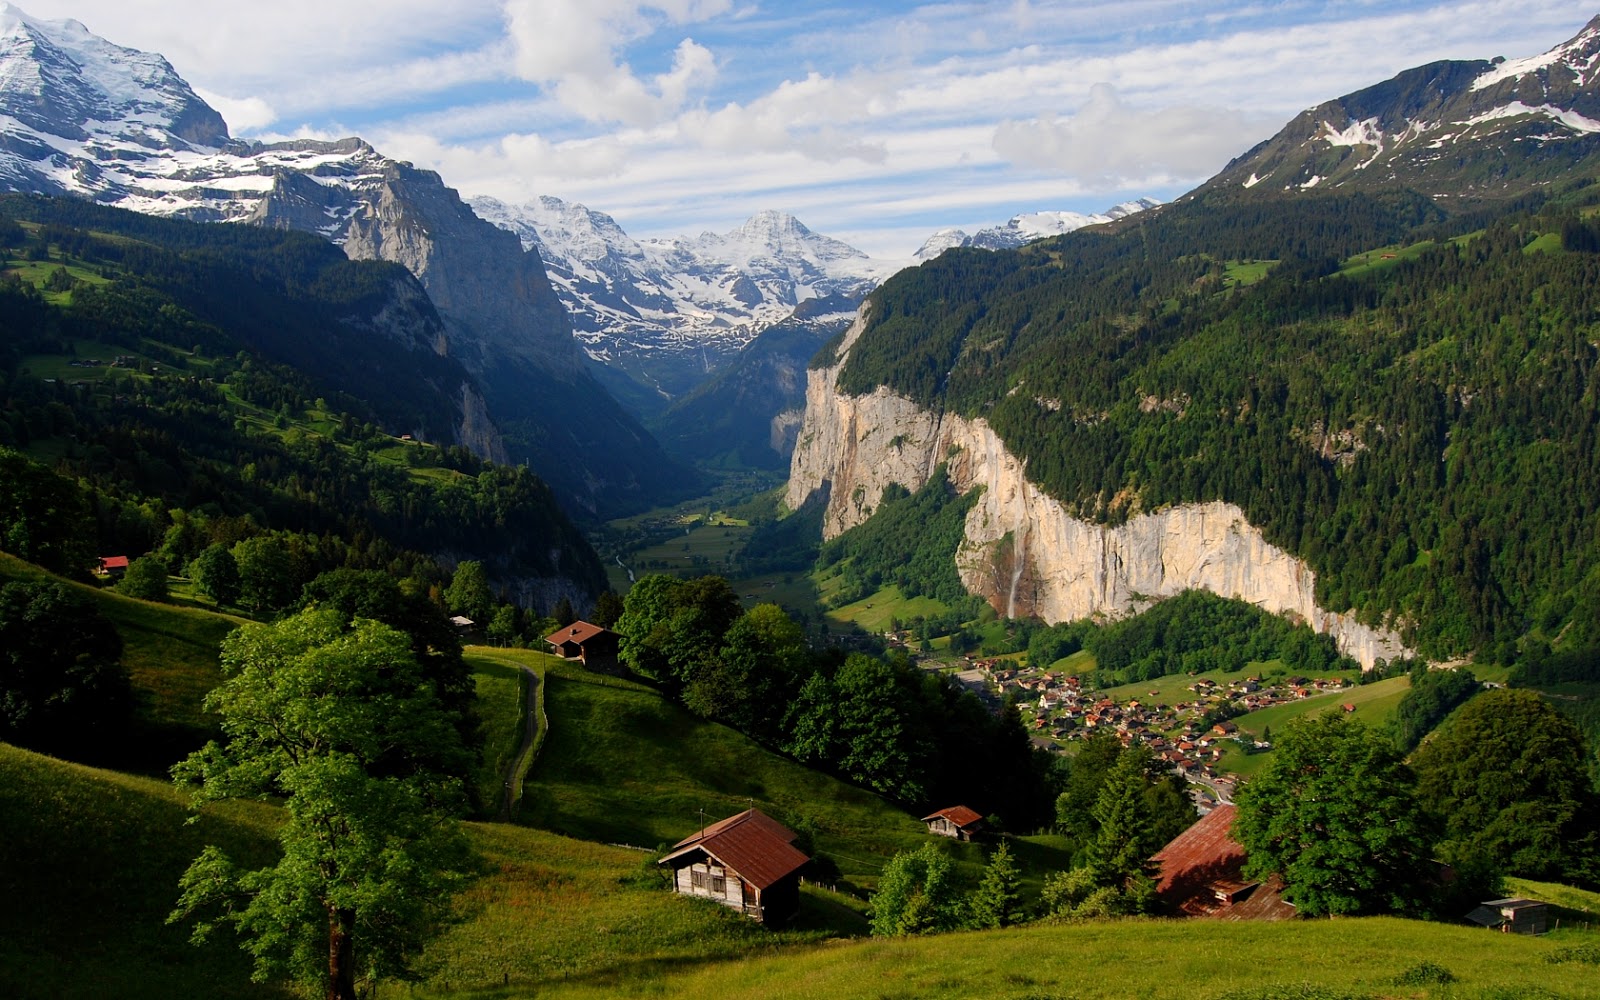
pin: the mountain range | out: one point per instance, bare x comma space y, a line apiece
672, 312
87, 118
1322, 382
578, 314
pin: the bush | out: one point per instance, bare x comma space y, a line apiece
1425, 974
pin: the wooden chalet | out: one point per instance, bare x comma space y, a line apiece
1202, 875
1513, 916
595, 647
113, 565
747, 862
956, 821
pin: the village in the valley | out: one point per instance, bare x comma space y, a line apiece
1191, 736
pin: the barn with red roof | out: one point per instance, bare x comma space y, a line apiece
956, 821
1202, 875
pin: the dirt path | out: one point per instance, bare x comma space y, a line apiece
534, 727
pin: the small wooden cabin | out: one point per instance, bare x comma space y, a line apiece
956, 821
747, 862
1513, 916
595, 647
113, 565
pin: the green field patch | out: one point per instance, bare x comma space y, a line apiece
700, 549
1375, 705
877, 612
1349, 959
1544, 243
1243, 273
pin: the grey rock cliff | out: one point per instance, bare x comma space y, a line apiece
1022, 551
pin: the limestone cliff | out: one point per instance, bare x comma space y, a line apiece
1022, 551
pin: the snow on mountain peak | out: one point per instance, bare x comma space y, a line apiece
59, 81
1026, 228
1579, 55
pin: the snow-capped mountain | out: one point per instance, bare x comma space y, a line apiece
671, 311
1023, 229
1454, 130
83, 117
67, 95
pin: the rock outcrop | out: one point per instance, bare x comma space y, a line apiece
1022, 551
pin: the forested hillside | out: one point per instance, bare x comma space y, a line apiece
228, 382
1405, 400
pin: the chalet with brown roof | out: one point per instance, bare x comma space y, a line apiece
747, 862
1202, 875
595, 647
956, 821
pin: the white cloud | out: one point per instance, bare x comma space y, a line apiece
573, 46
1108, 143
243, 115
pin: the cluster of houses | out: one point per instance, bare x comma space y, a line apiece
1060, 707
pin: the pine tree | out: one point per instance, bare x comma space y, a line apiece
997, 902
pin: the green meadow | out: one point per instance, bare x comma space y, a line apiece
558, 918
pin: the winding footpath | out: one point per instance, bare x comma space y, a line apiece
535, 725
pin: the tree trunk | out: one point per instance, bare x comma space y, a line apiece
341, 954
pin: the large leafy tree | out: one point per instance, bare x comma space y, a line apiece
145, 579
1506, 779
468, 593
749, 683
335, 720
1335, 815
672, 629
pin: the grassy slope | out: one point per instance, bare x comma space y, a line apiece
93, 857
623, 765
500, 713
1147, 959
89, 870
171, 656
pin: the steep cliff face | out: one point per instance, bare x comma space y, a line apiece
482, 281
1022, 551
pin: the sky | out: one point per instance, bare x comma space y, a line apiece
875, 123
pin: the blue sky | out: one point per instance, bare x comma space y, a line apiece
876, 123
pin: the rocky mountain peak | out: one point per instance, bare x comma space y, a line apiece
1458, 130
59, 79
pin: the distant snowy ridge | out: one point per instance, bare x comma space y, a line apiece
670, 312
1024, 229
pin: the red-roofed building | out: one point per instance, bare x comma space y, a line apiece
1201, 875
747, 862
113, 565
594, 646
957, 821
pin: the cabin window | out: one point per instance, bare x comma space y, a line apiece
719, 885
697, 879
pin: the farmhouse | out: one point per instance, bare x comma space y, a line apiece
747, 862
956, 821
113, 565
594, 646
1201, 875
